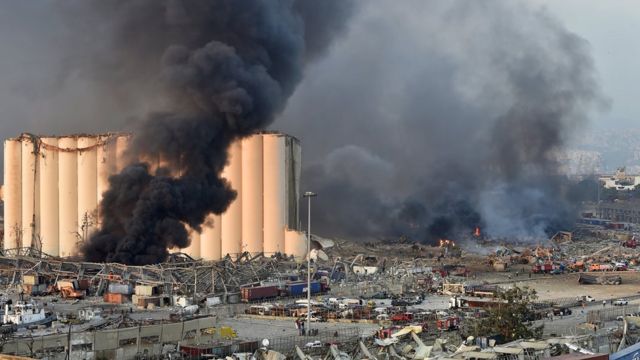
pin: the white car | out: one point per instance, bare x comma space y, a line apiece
621, 302
620, 318
586, 298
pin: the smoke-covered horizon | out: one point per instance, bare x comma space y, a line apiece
426, 120
186, 77
431, 119
227, 69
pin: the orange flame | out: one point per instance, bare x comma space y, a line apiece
477, 232
447, 243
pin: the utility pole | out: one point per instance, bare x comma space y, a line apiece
309, 195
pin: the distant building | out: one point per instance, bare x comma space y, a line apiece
620, 211
620, 180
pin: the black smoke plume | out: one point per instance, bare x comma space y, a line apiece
225, 69
444, 116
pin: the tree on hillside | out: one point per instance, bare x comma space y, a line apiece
512, 318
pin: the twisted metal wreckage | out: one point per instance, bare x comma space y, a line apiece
180, 274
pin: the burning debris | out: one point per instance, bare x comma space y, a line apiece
475, 131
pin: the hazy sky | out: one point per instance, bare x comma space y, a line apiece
613, 29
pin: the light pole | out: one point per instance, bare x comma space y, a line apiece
309, 195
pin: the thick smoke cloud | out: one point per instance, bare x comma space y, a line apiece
226, 69
433, 118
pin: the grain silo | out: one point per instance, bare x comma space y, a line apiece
53, 187
274, 190
87, 184
67, 195
211, 238
12, 193
194, 246
252, 195
48, 177
231, 220
295, 243
105, 163
29, 190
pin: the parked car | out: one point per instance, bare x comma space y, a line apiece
620, 318
400, 302
585, 298
621, 302
560, 311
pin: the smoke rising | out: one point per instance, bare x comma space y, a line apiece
444, 116
226, 70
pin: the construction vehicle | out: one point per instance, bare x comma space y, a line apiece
601, 267
70, 293
69, 289
577, 266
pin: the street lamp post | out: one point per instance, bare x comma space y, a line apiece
309, 195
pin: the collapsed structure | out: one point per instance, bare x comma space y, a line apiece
53, 187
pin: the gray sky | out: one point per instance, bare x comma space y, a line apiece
612, 28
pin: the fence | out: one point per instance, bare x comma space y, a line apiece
559, 329
123, 343
311, 344
609, 314
226, 310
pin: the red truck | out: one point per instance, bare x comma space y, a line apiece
258, 293
402, 317
542, 268
448, 323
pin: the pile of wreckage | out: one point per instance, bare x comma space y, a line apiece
407, 344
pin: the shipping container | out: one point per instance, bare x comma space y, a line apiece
69, 284
34, 290
84, 284
144, 290
213, 300
233, 298
30, 279
125, 289
258, 293
114, 298
144, 301
300, 288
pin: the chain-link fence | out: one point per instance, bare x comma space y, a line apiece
316, 341
121, 343
608, 314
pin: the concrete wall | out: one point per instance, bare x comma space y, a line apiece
114, 344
